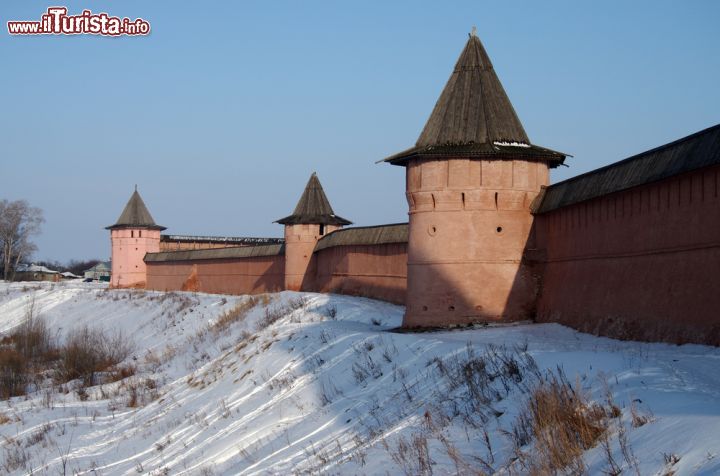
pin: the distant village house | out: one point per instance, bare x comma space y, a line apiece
33, 272
99, 272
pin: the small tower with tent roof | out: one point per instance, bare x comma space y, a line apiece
133, 235
312, 219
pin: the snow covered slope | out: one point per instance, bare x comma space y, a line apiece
311, 383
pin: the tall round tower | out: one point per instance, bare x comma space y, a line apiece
134, 234
313, 218
470, 180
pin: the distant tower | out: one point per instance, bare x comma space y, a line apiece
134, 234
470, 180
313, 217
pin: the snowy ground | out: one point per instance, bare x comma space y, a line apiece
327, 388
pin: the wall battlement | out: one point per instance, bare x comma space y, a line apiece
189, 242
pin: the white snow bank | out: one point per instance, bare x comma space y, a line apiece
327, 388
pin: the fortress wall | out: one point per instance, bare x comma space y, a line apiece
223, 276
377, 271
637, 264
364, 261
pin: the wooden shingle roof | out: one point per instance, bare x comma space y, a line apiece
365, 235
216, 253
474, 117
693, 152
313, 207
228, 240
135, 215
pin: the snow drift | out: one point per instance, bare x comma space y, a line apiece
310, 383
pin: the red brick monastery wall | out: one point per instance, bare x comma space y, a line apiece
222, 276
374, 271
634, 264
637, 264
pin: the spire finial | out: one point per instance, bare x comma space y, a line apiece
474, 31
136, 187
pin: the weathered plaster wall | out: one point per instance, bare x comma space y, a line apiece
129, 245
374, 271
638, 264
470, 222
223, 276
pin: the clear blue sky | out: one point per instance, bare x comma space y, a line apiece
223, 112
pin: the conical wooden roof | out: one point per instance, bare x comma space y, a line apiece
135, 215
313, 207
474, 116
473, 107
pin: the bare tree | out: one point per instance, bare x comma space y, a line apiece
18, 223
